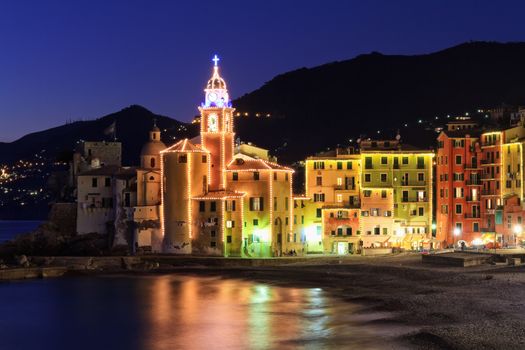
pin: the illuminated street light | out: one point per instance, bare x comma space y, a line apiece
457, 232
518, 230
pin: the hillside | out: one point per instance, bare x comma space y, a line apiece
132, 126
329, 104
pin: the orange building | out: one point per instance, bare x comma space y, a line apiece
479, 185
458, 185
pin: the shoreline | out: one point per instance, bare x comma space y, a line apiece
477, 307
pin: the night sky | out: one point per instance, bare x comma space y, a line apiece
63, 60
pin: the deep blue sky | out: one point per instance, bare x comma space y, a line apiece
68, 59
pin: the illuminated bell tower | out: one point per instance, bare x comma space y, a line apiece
217, 134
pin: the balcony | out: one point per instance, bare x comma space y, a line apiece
344, 187
476, 182
413, 199
473, 166
489, 177
414, 183
490, 162
472, 199
342, 205
490, 143
488, 192
472, 216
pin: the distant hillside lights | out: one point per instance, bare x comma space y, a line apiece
4, 175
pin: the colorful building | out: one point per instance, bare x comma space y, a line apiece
379, 196
458, 184
332, 184
396, 188
479, 185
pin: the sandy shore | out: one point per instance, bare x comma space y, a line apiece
450, 308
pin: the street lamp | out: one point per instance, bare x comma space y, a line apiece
517, 232
457, 232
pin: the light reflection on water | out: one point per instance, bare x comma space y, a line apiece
179, 312
211, 313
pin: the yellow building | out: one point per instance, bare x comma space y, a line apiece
332, 182
396, 193
379, 196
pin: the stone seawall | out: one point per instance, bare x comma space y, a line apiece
18, 273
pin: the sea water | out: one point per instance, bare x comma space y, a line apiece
10, 228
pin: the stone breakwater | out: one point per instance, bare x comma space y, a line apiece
17, 273
42, 267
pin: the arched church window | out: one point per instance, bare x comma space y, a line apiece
152, 162
151, 178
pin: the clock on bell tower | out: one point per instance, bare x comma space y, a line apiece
217, 134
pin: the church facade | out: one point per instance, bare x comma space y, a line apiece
218, 202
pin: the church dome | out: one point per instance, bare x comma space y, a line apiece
152, 148
216, 82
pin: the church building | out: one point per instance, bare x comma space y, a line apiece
218, 202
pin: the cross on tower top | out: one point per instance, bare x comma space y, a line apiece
216, 59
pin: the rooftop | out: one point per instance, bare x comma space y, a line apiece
244, 162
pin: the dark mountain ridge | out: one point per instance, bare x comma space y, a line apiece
132, 126
329, 104
332, 103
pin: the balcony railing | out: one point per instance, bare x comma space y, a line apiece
488, 192
473, 216
489, 161
489, 177
414, 183
413, 199
472, 166
351, 205
476, 182
472, 199
345, 187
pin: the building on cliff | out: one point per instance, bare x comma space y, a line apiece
123, 202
